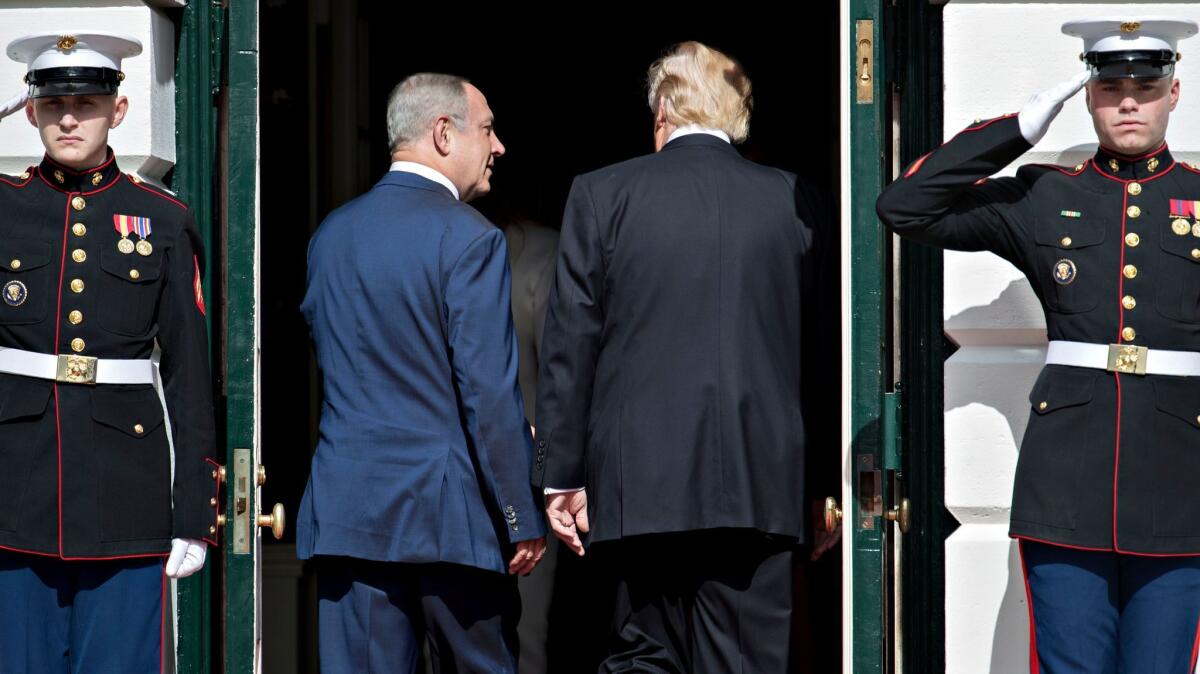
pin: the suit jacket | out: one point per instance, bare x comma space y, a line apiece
423, 444
88, 470
1111, 248
671, 375
531, 253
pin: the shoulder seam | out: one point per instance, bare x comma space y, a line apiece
155, 192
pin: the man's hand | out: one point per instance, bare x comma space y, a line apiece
12, 105
187, 557
568, 517
529, 553
1037, 114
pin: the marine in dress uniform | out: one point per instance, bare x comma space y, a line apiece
1105, 504
107, 452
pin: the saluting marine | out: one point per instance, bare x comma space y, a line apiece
1105, 502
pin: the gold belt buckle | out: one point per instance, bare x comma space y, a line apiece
1127, 359
74, 369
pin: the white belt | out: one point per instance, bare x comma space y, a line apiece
1124, 358
75, 369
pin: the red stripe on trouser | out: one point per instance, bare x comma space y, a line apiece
1033, 657
1195, 648
162, 622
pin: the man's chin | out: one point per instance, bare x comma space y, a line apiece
70, 155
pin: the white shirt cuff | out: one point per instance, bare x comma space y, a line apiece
551, 490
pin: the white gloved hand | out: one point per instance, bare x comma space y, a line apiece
1043, 107
13, 104
187, 557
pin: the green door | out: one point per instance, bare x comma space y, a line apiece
218, 623
895, 521
872, 467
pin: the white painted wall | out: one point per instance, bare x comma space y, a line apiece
997, 54
145, 142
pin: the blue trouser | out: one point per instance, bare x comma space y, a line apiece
1109, 613
375, 617
87, 617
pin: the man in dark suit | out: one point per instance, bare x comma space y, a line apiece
417, 504
668, 412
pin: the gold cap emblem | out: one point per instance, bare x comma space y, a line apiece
1131, 26
67, 43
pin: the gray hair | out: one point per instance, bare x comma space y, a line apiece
419, 100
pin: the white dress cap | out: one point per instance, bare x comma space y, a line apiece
67, 49
1131, 34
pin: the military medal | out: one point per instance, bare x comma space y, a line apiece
1183, 215
130, 224
142, 227
124, 227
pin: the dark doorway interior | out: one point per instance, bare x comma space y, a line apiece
569, 97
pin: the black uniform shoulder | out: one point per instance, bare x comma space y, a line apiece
158, 195
17, 181
1033, 172
1190, 167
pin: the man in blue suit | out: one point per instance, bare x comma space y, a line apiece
418, 506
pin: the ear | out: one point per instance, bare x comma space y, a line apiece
1174, 94
29, 112
443, 139
660, 113
120, 108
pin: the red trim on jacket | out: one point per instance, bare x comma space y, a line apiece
916, 166
1135, 180
1065, 171
153, 191
62, 268
1031, 539
28, 180
1033, 656
146, 555
1128, 158
112, 156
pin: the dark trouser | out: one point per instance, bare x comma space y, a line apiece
1109, 613
375, 617
93, 617
710, 602
537, 593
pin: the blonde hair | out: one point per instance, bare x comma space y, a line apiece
702, 86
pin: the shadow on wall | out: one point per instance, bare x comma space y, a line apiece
1010, 640
987, 324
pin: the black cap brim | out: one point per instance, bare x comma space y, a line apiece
1135, 64
73, 82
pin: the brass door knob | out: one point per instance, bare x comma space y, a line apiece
833, 514
901, 515
276, 521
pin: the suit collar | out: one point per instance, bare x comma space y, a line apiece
427, 172
406, 179
700, 140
